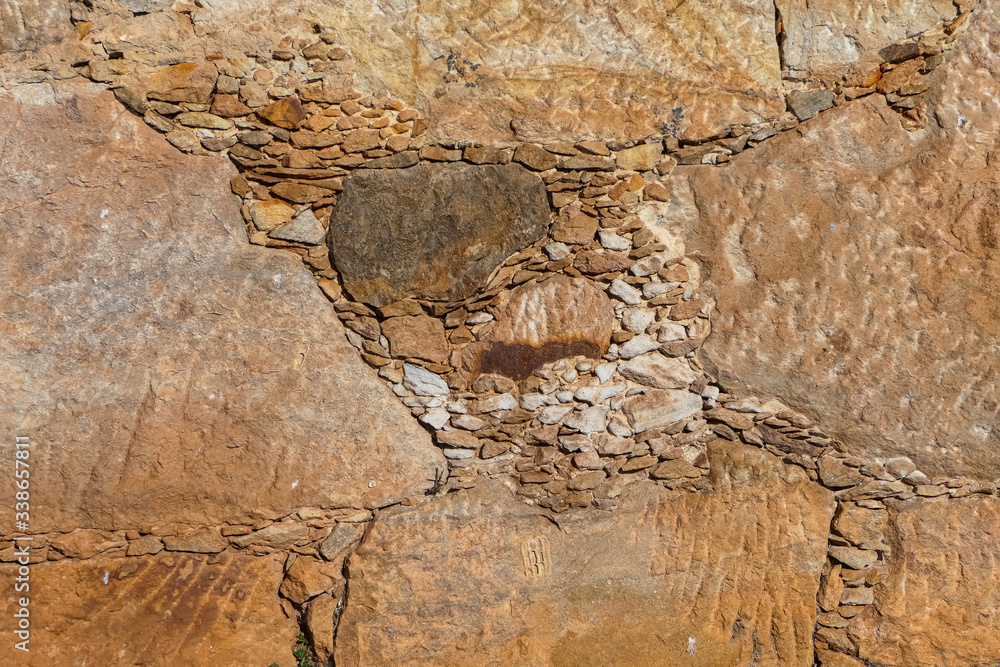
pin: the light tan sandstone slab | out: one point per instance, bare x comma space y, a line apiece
831, 40
667, 579
164, 369
855, 268
940, 603
543, 71
155, 611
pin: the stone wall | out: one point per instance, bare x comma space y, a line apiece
447, 350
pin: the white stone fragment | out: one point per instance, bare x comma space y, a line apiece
556, 251
436, 418
564, 396
605, 371
554, 414
422, 382
655, 370
481, 317
591, 420
637, 320
622, 290
636, 346
532, 402
651, 290
498, 402
469, 422
595, 395
612, 241
458, 454
669, 331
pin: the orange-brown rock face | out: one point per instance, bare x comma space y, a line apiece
529, 333
938, 604
711, 579
170, 609
855, 269
165, 370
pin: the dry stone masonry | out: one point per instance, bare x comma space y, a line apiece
606, 458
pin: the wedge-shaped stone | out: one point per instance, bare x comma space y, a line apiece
167, 370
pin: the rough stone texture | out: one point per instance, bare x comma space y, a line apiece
561, 309
660, 407
165, 369
938, 605
855, 268
434, 231
667, 579
539, 71
830, 40
30, 24
417, 336
169, 609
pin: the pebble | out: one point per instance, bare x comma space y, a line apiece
422, 382
496, 403
435, 417
605, 371
595, 395
622, 290
554, 414
564, 396
636, 346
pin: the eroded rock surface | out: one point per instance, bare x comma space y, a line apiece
833, 41
538, 71
434, 231
938, 605
168, 609
165, 369
854, 265
667, 579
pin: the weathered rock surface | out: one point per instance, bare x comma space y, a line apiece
30, 24
831, 41
855, 268
165, 369
939, 603
667, 579
560, 309
169, 609
538, 71
542, 322
433, 231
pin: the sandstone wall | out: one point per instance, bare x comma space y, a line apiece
501, 333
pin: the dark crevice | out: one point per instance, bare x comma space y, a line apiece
779, 37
